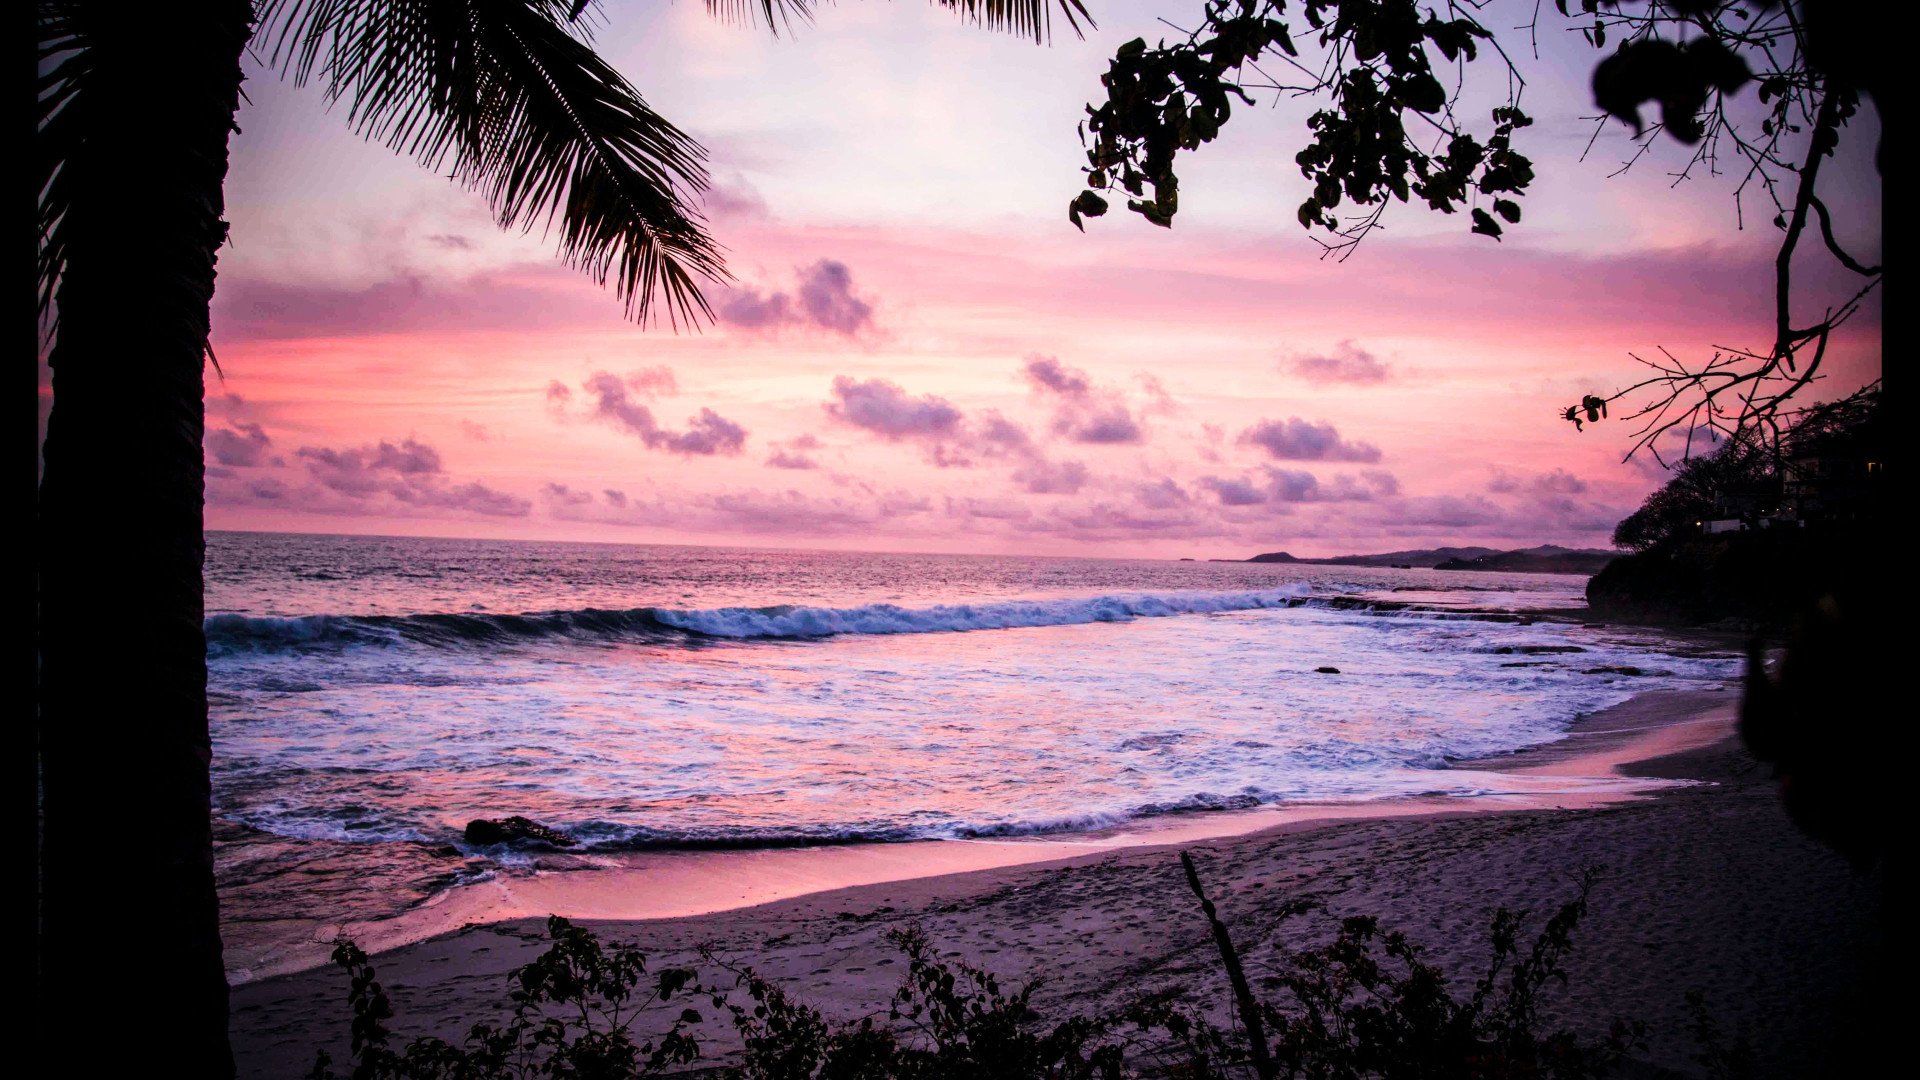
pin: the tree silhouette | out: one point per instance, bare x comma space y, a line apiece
135, 105
1391, 130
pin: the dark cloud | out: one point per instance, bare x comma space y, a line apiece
242, 446
472, 497
706, 434
615, 497
562, 495
1346, 363
885, 409
1383, 483
1085, 414
386, 477
450, 241
1234, 491
614, 403
1295, 439
1279, 487
368, 470
999, 435
1049, 374
823, 299
1113, 425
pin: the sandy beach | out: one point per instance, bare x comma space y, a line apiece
1707, 886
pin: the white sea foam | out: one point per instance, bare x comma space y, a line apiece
784, 622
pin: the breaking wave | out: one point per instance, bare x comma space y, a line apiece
227, 633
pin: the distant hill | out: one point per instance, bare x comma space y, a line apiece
1425, 557
1545, 559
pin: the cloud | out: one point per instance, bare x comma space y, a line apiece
1161, 494
241, 446
1159, 402
995, 435
656, 381
562, 495
1559, 482
476, 432
752, 510
1040, 477
613, 403
823, 299
384, 478
735, 199
1346, 363
1048, 373
1234, 491
1446, 511
1111, 426
793, 454
885, 409
367, 470
1280, 487
1085, 414
1295, 439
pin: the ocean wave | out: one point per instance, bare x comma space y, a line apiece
229, 633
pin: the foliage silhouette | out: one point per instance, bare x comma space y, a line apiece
1366, 1004
1391, 130
573, 1011
135, 104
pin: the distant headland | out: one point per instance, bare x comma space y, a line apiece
1545, 559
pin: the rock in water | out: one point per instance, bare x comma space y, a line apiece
1326, 671
509, 829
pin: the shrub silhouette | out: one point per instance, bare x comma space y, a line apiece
1366, 1004
572, 1011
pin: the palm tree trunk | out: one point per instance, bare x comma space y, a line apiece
130, 965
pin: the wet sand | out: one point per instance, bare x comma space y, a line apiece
1707, 887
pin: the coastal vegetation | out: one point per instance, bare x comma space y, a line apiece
135, 106
1364, 1003
513, 99
1759, 529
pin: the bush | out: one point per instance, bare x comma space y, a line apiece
572, 1011
1364, 1005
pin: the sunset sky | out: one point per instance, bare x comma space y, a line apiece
920, 353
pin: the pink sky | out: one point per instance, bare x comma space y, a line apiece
921, 354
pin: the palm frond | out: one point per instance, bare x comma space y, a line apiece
1028, 18
530, 116
63, 60
774, 13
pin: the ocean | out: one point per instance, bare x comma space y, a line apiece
372, 694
